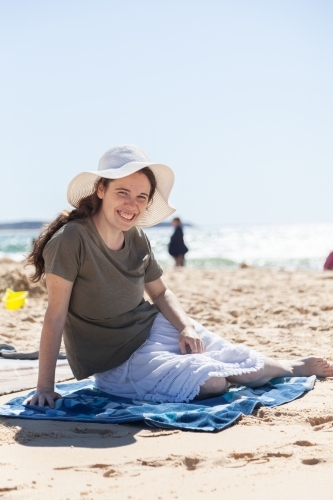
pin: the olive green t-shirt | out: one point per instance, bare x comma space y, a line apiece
107, 319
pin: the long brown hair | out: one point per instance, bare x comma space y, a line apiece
87, 207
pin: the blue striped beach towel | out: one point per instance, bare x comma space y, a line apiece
83, 402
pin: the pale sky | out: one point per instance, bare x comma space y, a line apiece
235, 96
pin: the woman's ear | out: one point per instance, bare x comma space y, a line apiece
100, 191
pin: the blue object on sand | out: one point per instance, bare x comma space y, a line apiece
83, 402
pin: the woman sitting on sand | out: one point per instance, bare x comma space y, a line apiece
98, 262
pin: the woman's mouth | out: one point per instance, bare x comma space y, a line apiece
126, 215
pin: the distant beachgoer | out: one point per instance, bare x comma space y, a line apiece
177, 248
328, 266
98, 263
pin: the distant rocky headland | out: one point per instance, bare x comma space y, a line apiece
39, 224
22, 225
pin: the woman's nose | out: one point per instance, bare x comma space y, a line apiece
130, 202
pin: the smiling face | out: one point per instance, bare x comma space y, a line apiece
123, 202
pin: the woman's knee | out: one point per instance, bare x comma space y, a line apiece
214, 386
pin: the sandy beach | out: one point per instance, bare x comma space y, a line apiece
282, 452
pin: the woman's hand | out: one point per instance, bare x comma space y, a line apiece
189, 339
172, 310
43, 397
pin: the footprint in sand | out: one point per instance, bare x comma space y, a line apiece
314, 421
152, 462
109, 470
100, 432
189, 462
324, 427
242, 459
111, 473
156, 433
312, 461
304, 443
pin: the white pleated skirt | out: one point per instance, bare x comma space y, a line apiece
158, 372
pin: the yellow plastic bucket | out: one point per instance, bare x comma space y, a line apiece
14, 300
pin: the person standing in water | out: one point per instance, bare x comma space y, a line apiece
177, 248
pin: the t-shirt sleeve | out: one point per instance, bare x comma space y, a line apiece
153, 270
63, 253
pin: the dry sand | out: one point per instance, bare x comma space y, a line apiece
285, 452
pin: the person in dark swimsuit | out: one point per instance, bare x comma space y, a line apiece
177, 248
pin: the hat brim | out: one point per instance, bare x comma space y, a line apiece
83, 185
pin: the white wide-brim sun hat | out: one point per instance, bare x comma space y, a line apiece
121, 161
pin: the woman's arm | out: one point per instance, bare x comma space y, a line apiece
59, 292
171, 308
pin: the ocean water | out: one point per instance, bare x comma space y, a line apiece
290, 247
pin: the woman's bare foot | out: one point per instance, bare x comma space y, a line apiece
305, 367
